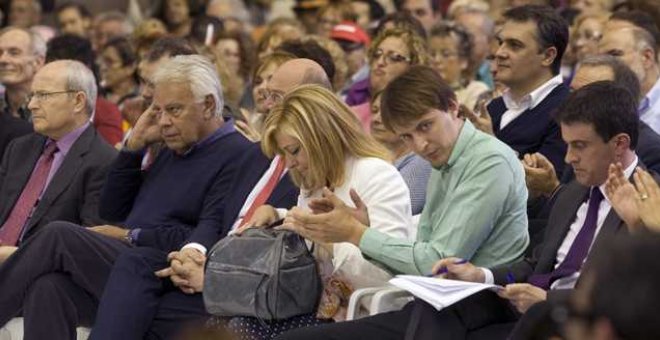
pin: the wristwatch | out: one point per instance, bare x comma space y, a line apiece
131, 237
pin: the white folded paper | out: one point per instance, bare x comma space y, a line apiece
438, 292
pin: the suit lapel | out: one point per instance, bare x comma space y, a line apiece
567, 211
22, 164
64, 175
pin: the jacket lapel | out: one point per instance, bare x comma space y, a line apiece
65, 174
566, 212
22, 164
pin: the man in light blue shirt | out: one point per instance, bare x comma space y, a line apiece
637, 48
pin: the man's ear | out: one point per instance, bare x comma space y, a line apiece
209, 107
549, 56
622, 142
80, 101
648, 58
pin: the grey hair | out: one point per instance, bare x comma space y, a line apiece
198, 72
80, 78
622, 74
37, 42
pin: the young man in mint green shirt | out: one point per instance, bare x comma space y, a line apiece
476, 199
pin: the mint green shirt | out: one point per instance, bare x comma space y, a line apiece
476, 209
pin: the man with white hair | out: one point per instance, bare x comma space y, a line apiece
58, 278
55, 173
22, 54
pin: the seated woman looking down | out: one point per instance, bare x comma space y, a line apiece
326, 151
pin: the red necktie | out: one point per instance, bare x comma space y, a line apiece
266, 191
11, 230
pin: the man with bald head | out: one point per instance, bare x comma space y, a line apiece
637, 48
292, 74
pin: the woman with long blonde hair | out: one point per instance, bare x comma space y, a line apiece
326, 150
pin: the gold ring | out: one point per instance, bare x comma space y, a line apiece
643, 196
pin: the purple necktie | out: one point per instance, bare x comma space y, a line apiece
13, 226
579, 249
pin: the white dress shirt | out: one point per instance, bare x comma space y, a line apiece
516, 108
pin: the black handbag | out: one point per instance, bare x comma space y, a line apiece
264, 273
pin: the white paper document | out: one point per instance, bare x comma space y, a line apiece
439, 293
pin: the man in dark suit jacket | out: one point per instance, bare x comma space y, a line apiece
541, 179
532, 42
600, 128
78, 168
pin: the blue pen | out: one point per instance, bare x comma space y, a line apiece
444, 269
509, 278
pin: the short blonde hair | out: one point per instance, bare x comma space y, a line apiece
327, 130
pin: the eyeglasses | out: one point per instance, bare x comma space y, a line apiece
273, 96
42, 96
390, 57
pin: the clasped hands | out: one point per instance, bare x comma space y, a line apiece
329, 221
186, 270
520, 295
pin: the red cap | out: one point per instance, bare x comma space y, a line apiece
350, 31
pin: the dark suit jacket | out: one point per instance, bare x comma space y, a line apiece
648, 147
561, 217
534, 130
252, 166
72, 194
10, 128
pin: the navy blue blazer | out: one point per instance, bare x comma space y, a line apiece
534, 130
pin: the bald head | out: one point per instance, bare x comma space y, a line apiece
296, 72
292, 74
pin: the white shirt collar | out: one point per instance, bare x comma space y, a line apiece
535, 97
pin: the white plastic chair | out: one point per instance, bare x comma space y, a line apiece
375, 300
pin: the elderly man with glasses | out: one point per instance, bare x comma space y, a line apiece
57, 172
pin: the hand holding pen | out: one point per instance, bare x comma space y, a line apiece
458, 269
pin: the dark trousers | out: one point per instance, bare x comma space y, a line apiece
56, 279
136, 304
420, 321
